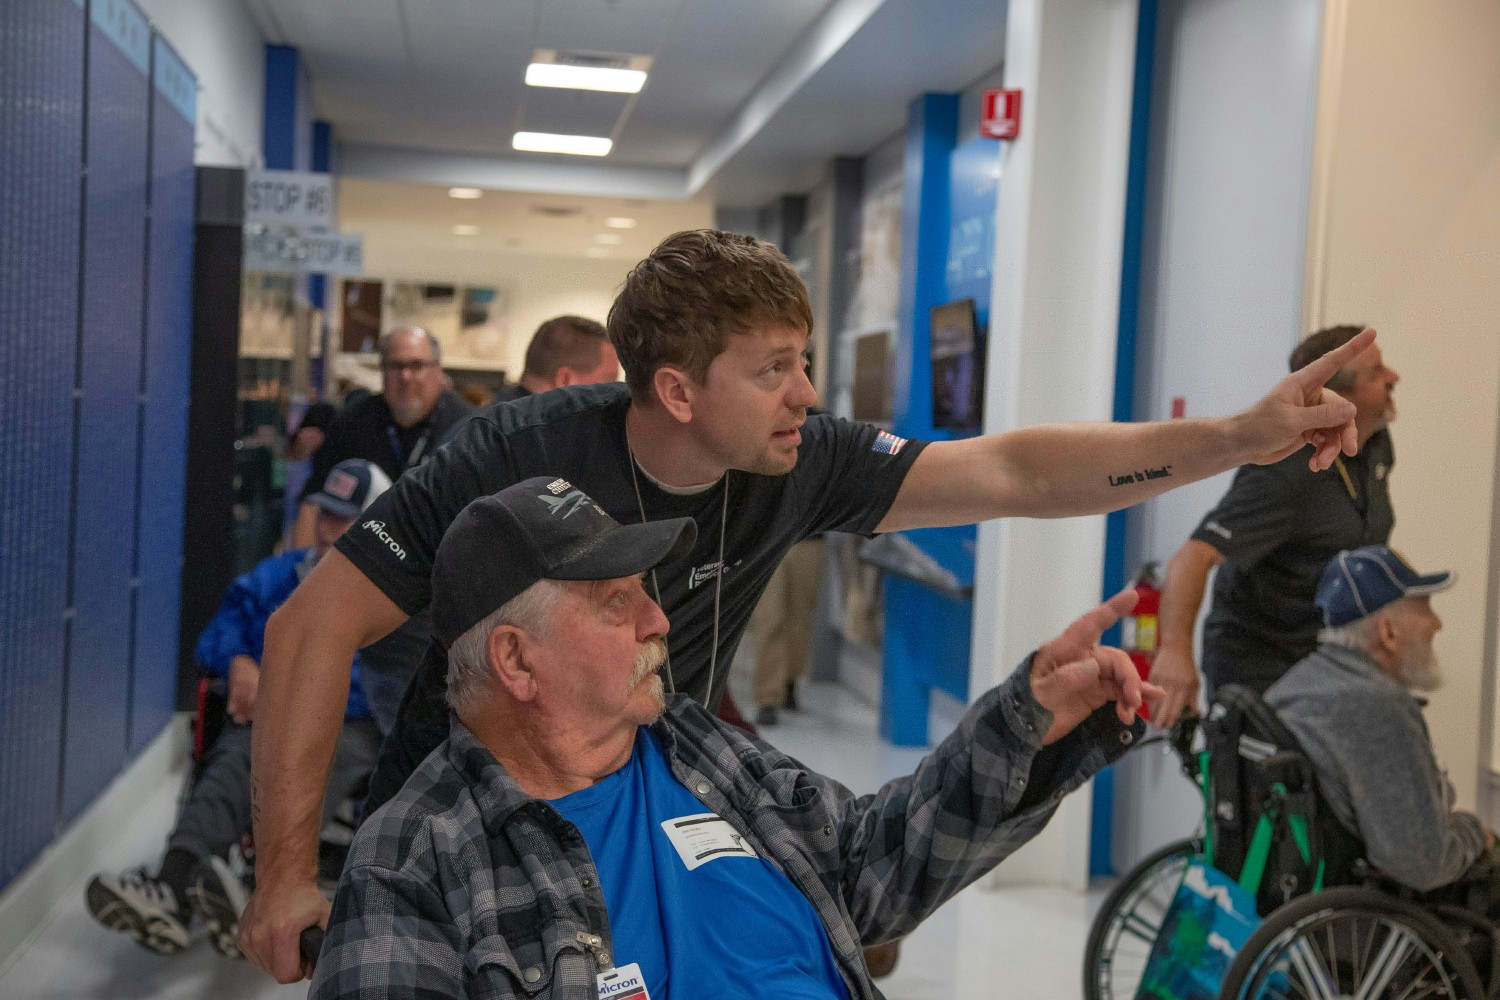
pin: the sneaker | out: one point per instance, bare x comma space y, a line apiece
219, 895
767, 715
143, 907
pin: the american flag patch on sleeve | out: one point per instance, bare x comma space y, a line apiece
887, 443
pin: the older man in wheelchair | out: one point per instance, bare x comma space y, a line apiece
1325, 802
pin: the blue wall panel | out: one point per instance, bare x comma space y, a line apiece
119, 98
164, 418
41, 120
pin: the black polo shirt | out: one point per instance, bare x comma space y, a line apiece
1277, 527
366, 430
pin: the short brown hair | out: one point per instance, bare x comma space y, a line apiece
564, 342
1319, 344
682, 302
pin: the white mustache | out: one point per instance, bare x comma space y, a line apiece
649, 660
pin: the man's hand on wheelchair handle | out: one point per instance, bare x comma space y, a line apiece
1073, 675
244, 684
1175, 673
273, 922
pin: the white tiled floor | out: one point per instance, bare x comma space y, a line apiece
1020, 943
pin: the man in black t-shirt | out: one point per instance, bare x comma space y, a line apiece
711, 330
1270, 536
397, 429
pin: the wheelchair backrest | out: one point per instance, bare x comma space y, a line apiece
1255, 769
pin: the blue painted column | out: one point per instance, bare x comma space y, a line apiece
1101, 833
912, 610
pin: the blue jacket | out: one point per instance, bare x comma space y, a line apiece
238, 628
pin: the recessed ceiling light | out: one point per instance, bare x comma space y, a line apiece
609, 72
465, 194
465, 230
613, 81
611, 239
547, 142
597, 252
619, 222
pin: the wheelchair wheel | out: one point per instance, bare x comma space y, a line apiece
1125, 928
1351, 942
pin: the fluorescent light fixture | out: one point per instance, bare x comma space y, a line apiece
611, 72
620, 222
597, 252
547, 142
462, 230
613, 81
465, 194
609, 239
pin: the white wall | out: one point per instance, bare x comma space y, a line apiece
1233, 116
1055, 302
222, 45
1409, 241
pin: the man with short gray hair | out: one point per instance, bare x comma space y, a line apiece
583, 833
1350, 705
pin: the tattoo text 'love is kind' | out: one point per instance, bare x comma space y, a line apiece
1131, 478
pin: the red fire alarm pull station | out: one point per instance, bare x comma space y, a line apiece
1000, 114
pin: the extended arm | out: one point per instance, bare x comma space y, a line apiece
310, 645
995, 782
1174, 669
1063, 470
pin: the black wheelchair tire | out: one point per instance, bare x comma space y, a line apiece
1316, 916
1165, 866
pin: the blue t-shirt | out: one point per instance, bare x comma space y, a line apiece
732, 925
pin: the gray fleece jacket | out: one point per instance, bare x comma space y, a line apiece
1369, 745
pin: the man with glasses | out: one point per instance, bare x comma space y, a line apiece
397, 429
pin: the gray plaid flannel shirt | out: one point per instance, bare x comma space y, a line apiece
464, 885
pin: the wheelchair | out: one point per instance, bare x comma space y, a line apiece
1331, 927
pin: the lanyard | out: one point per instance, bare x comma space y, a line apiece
415, 458
1362, 508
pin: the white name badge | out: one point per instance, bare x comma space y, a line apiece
623, 982
704, 837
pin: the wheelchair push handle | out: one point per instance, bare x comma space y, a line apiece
310, 943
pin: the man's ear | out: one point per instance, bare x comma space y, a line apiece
675, 391
505, 651
1386, 632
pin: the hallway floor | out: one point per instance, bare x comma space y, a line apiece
1022, 943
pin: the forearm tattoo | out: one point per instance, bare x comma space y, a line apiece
1131, 478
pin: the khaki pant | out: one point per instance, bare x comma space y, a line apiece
783, 622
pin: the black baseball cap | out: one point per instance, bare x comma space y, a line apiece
544, 528
350, 488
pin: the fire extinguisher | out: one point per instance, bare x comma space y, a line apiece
1138, 629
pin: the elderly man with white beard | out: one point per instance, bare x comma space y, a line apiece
583, 834
1352, 708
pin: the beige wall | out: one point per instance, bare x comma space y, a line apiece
531, 289
1405, 236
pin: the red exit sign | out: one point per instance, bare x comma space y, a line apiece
1000, 114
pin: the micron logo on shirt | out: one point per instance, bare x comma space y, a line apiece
377, 528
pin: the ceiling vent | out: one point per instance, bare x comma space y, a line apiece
556, 211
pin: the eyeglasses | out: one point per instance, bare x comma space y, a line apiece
406, 367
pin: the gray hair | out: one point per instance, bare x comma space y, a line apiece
469, 672
1359, 634
437, 346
